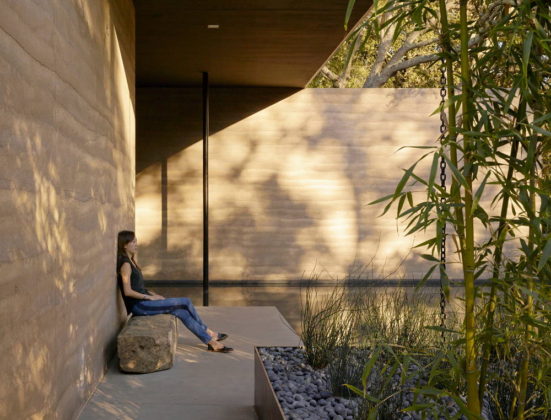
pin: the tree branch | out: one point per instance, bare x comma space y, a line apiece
385, 42
380, 79
330, 75
407, 47
345, 74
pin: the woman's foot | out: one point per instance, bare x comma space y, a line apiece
217, 336
215, 346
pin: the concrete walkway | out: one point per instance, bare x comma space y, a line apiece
200, 385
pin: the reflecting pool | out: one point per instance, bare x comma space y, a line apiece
288, 299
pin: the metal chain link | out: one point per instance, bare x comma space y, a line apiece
443, 128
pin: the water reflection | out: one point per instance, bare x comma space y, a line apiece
288, 299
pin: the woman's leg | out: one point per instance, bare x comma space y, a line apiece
187, 304
192, 325
179, 307
173, 303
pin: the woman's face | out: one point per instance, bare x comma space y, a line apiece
132, 246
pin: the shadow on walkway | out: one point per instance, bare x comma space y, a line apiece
200, 385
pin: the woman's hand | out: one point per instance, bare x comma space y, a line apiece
155, 297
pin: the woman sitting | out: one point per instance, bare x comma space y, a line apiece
139, 301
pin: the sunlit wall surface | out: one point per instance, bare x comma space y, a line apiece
67, 142
291, 176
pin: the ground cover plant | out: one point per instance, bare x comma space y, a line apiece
394, 319
394, 359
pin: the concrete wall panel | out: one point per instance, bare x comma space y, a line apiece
66, 187
291, 174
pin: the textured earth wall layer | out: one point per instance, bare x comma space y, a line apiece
67, 169
291, 173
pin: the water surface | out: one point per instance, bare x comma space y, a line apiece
288, 299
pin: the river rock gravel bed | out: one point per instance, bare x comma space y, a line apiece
305, 393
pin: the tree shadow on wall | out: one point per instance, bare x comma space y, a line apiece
67, 189
302, 195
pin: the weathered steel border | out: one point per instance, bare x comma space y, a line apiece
265, 400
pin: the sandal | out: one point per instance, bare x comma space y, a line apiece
222, 350
222, 336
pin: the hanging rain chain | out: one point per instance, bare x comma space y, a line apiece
443, 127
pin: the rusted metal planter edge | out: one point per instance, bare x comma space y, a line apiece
266, 404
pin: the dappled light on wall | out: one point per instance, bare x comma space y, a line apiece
289, 187
66, 187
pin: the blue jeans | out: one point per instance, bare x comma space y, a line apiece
179, 307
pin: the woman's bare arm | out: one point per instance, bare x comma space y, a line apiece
126, 271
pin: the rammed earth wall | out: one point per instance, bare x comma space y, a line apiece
67, 142
291, 174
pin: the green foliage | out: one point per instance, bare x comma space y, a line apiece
395, 317
425, 75
498, 56
326, 324
396, 381
500, 156
433, 374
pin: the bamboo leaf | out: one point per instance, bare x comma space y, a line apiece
478, 193
404, 180
432, 176
380, 200
348, 13
545, 255
527, 47
510, 97
417, 407
430, 257
369, 366
431, 242
360, 392
543, 118
456, 174
435, 392
425, 277
410, 198
540, 130
419, 179
401, 204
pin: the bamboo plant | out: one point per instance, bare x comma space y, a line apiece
498, 59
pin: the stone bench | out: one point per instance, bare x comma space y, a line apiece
148, 343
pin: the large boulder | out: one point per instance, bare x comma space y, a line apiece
148, 343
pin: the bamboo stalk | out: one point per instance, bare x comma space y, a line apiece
498, 253
452, 129
471, 373
524, 365
536, 105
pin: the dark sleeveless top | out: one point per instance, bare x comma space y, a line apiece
136, 282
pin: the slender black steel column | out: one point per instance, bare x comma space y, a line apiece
205, 189
164, 204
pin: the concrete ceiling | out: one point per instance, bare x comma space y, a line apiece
258, 43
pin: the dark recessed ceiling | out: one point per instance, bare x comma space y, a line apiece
258, 43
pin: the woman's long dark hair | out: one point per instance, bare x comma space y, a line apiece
123, 239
